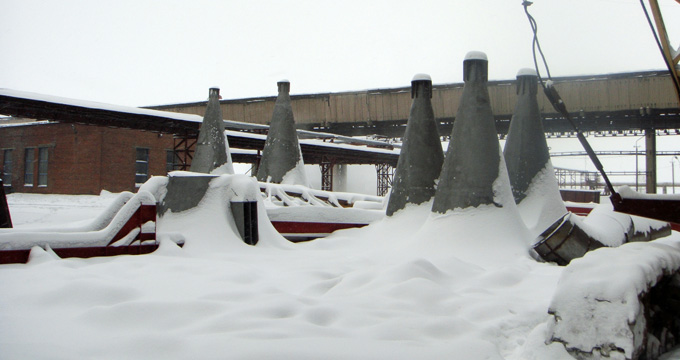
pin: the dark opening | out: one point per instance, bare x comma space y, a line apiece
5, 218
245, 217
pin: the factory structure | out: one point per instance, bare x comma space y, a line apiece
77, 147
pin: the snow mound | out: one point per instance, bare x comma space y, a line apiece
209, 227
627, 192
543, 204
413, 286
597, 301
39, 255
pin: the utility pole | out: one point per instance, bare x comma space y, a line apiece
637, 171
673, 170
650, 157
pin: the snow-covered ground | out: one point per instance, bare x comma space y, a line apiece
460, 287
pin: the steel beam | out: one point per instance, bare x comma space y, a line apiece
650, 156
385, 178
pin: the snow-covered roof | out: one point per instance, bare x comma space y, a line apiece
97, 105
338, 141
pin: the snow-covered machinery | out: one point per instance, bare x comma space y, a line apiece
300, 213
127, 226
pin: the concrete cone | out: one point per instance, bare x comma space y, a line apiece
281, 161
212, 149
421, 155
526, 153
473, 159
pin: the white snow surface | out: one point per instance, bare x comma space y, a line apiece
98, 105
421, 77
475, 55
627, 192
296, 175
228, 167
414, 286
596, 302
527, 72
543, 204
97, 232
613, 228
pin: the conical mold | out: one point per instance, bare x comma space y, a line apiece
421, 156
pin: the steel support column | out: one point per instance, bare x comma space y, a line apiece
256, 164
184, 146
385, 178
650, 156
327, 173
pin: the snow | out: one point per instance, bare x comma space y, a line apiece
475, 55
228, 167
41, 211
32, 123
414, 286
98, 105
97, 232
608, 227
596, 302
327, 144
225, 169
422, 77
209, 227
296, 175
181, 117
543, 204
627, 192
527, 72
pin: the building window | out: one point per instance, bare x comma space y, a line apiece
169, 160
7, 167
29, 157
42, 166
141, 166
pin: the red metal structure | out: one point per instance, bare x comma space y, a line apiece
144, 242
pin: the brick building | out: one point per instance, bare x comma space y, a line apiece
64, 158
84, 147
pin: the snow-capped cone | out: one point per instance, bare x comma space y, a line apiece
282, 161
473, 160
212, 149
421, 155
527, 157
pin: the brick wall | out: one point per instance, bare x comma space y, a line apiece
82, 159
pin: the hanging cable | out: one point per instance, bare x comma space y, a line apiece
535, 44
557, 103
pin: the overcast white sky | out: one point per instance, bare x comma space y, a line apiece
143, 52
